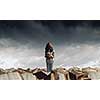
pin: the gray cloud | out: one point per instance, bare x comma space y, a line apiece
22, 43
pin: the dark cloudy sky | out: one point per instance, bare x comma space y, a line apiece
76, 42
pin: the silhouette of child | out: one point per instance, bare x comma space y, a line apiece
49, 55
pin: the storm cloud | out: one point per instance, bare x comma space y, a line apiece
76, 43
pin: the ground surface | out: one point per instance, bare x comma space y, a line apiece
73, 73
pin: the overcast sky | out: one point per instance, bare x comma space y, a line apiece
76, 43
